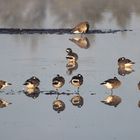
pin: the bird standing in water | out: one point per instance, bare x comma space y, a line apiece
125, 66
58, 82
32, 82
77, 81
81, 28
112, 83
71, 56
124, 62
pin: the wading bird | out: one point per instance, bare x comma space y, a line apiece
77, 81
112, 83
58, 82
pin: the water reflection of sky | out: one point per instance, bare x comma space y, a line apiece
22, 56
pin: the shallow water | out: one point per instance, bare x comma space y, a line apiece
22, 56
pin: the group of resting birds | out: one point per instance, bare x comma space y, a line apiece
77, 80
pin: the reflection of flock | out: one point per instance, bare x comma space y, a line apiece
32, 84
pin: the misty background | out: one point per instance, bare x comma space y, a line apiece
39, 13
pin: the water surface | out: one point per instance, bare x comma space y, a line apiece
22, 56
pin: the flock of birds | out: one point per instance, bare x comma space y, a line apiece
32, 84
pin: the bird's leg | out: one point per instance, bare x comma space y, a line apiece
57, 92
57, 96
82, 34
111, 91
78, 90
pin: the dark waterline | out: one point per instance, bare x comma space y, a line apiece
55, 31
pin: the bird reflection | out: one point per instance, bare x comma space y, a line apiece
124, 71
4, 103
77, 100
112, 100
112, 83
82, 27
124, 62
32, 92
71, 66
77, 81
58, 105
82, 42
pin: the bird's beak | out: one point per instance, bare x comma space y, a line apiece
9, 83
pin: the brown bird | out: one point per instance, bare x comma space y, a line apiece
71, 56
58, 82
77, 81
82, 27
124, 62
112, 83
112, 100
82, 42
32, 82
4, 84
